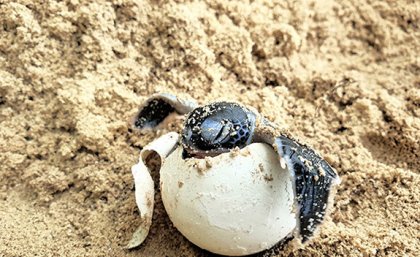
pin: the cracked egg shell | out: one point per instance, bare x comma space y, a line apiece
235, 204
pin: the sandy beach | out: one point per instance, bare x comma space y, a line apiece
342, 76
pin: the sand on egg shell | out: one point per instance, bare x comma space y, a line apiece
73, 73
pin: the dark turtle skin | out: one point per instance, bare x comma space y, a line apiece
314, 178
153, 113
216, 128
219, 127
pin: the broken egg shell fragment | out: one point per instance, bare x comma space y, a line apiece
144, 184
230, 209
163, 146
145, 191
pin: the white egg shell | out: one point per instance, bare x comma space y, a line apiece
241, 205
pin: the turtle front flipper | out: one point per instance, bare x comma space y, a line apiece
160, 106
314, 179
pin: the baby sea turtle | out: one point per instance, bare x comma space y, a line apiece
213, 131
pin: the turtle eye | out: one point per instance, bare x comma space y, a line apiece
216, 131
218, 127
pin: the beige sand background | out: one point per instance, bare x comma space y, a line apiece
342, 76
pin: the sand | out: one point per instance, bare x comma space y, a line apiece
342, 76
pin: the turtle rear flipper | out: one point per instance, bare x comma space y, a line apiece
314, 179
158, 107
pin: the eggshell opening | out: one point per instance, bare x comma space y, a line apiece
236, 203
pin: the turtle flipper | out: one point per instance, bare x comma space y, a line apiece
160, 106
314, 179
